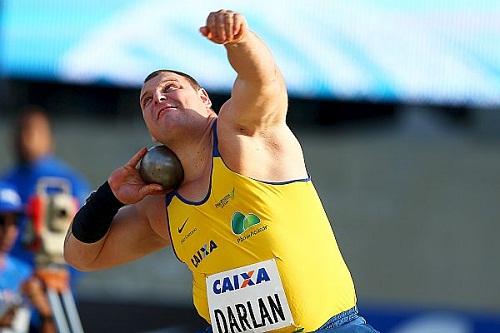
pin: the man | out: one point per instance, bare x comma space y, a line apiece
16, 277
36, 163
246, 220
38, 171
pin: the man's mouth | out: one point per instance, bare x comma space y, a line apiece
165, 109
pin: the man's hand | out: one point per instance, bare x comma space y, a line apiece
127, 184
7, 318
35, 290
225, 27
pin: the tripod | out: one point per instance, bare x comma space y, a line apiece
61, 299
65, 312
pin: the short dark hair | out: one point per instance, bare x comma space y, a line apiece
191, 79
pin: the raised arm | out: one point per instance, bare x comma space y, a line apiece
104, 235
258, 99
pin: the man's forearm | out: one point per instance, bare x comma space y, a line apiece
83, 241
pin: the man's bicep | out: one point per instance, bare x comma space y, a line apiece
255, 105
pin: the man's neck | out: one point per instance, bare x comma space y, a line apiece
195, 155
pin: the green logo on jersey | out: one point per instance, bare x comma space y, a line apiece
241, 222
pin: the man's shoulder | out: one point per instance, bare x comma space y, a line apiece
272, 138
267, 153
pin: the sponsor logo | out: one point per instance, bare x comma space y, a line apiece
189, 234
222, 202
179, 229
251, 234
241, 222
248, 299
203, 252
240, 281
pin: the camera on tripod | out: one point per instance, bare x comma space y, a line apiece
50, 213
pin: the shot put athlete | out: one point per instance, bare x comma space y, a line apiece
246, 219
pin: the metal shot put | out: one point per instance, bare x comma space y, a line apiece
160, 165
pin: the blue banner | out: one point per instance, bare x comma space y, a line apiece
445, 52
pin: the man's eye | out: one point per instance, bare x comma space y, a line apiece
170, 87
147, 100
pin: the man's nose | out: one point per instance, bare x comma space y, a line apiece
159, 97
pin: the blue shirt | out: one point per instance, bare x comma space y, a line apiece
25, 178
12, 274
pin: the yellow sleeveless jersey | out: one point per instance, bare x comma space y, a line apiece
243, 221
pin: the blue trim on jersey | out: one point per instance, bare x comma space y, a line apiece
308, 179
170, 232
215, 149
196, 203
168, 198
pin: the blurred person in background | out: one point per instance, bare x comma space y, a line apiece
37, 175
33, 144
246, 220
19, 288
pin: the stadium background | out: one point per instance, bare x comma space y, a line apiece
395, 103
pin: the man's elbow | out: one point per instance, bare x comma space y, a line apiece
76, 264
76, 259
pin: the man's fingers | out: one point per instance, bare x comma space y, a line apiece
239, 25
204, 31
228, 26
221, 27
212, 33
137, 157
152, 189
224, 26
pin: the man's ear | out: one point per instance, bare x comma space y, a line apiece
204, 97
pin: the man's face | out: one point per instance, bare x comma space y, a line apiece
35, 138
8, 231
170, 103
